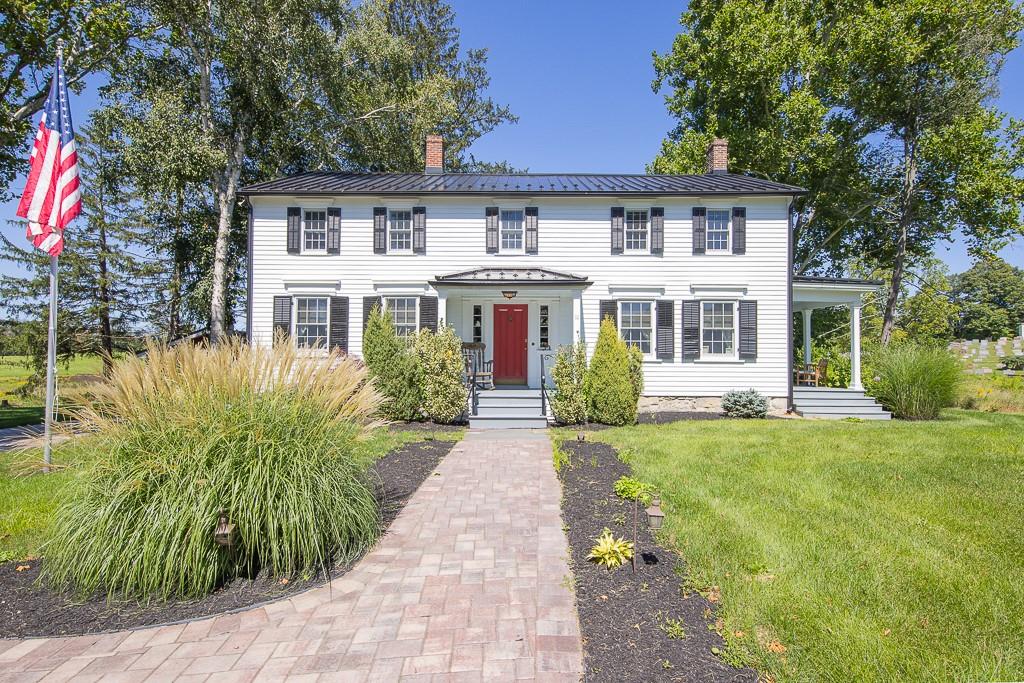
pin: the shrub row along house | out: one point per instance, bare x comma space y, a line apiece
694, 270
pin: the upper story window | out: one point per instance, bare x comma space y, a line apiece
478, 323
635, 324
718, 328
400, 230
314, 230
636, 230
511, 229
311, 322
404, 314
718, 230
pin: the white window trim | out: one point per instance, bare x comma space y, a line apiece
512, 252
625, 229
302, 231
414, 297
323, 350
728, 236
387, 233
653, 354
721, 357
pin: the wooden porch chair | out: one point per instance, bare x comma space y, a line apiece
473, 357
812, 375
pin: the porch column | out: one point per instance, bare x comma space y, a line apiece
442, 308
855, 382
807, 335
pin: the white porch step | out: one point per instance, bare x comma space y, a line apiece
508, 422
488, 410
837, 404
883, 415
508, 408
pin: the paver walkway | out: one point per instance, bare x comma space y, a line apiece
469, 584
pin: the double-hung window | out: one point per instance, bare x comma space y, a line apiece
400, 230
511, 229
718, 329
545, 327
404, 314
635, 324
718, 230
314, 230
311, 322
636, 229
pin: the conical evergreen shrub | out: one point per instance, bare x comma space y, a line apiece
394, 367
611, 386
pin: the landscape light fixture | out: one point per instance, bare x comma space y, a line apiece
654, 514
509, 293
224, 534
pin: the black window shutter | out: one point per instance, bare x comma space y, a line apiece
618, 229
491, 215
380, 230
333, 230
338, 332
531, 230
666, 340
428, 313
739, 230
419, 229
658, 230
368, 304
691, 330
282, 316
294, 229
610, 309
748, 330
700, 229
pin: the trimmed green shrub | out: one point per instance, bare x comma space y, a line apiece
444, 391
914, 382
393, 366
636, 372
749, 403
610, 385
1015, 363
569, 402
268, 436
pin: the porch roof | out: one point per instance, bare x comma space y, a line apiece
810, 291
511, 276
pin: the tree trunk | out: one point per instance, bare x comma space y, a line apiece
178, 256
905, 219
106, 333
225, 205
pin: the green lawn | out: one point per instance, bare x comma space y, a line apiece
14, 374
869, 551
28, 498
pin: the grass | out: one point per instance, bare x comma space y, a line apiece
850, 551
14, 375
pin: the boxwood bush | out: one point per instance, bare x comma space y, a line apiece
914, 382
444, 391
268, 436
569, 401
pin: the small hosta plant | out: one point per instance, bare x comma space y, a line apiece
633, 489
610, 552
749, 403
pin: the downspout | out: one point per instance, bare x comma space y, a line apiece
789, 307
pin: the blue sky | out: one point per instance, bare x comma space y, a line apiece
578, 75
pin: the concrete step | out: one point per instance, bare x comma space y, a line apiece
852, 401
842, 416
508, 411
841, 409
508, 422
518, 392
509, 401
816, 391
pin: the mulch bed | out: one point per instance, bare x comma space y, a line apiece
626, 617
425, 426
29, 610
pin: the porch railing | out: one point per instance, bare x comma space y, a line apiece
474, 396
545, 400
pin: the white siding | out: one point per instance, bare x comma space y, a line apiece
574, 236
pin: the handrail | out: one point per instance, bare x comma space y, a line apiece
473, 395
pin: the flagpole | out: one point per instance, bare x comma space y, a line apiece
51, 346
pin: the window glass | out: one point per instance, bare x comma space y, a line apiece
718, 230
314, 231
478, 323
311, 322
545, 333
403, 314
400, 231
512, 229
635, 324
636, 230
717, 329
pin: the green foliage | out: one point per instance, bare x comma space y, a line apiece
444, 391
610, 552
673, 628
561, 458
914, 382
267, 435
394, 367
629, 488
991, 294
636, 372
610, 386
749, 403
569, 373
1013, 362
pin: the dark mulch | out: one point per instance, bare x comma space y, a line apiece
29, 610
426, 426
624, 615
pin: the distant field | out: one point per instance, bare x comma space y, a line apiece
14, 374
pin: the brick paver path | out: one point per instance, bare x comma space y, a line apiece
469, 584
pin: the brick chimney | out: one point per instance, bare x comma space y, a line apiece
718, 156
435, 154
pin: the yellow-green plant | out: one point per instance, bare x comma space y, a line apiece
610, 552
633, 489
268, 435
440, 356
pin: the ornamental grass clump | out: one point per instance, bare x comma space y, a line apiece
268, 436
914, 382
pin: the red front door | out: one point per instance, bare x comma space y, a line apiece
510, 344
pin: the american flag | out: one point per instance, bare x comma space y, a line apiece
52, 197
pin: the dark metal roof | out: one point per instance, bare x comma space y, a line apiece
580, 184
510, 276
822, 280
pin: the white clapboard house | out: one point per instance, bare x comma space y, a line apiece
694, 269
